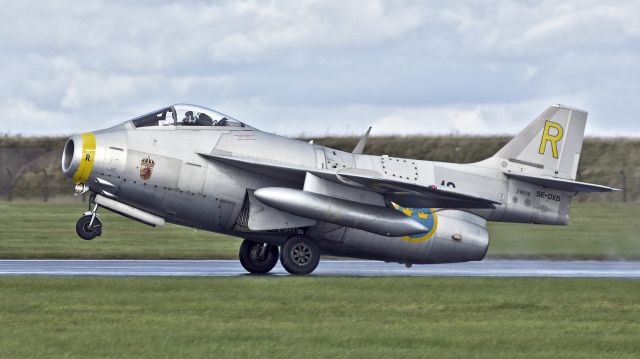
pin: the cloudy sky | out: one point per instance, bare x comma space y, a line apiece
321, 67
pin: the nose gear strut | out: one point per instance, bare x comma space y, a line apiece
89, 226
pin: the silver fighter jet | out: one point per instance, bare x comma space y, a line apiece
292, 200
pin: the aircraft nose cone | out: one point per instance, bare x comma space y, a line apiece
78, 157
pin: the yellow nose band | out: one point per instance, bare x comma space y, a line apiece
88, 154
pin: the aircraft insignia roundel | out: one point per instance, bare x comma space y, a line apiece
426, 216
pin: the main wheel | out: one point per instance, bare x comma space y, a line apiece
256, 259
88, 233
300, 255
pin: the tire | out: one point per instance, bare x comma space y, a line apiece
86, 233
250, 260
300, 255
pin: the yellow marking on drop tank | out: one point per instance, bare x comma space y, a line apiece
88, 154
548, 137
426, 216
432, 230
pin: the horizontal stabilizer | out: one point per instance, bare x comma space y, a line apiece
561, 184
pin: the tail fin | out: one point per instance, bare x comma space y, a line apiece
551, 144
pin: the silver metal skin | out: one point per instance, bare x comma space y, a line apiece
196, 167
129, 211
375, 219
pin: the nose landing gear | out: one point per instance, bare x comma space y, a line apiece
89, 225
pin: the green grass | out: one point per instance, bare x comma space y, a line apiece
282, 317
597, 231
47, 230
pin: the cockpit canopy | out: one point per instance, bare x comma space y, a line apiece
185, 115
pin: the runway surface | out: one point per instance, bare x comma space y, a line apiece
221, 268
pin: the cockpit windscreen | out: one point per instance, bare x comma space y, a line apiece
162, 117
185, 115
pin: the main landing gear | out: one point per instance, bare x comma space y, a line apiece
300, 255
89, 226
258, 257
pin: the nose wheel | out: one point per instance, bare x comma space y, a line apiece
89, 226
258, 257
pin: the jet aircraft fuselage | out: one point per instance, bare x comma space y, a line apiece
196, 167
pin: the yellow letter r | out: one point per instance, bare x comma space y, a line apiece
548, 137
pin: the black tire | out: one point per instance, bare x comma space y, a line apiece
300, 255
250, 257
86, 233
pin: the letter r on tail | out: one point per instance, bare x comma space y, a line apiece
547, 136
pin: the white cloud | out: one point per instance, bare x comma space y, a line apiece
433, 120
322, 66
29, 119
424, 120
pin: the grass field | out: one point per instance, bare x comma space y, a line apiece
283, 317
597, 231
47, 230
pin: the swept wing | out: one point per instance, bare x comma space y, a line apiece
400, 192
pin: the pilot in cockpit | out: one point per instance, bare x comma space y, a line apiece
197, 119
204, 120
189, 119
